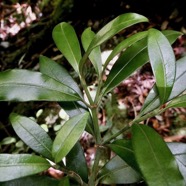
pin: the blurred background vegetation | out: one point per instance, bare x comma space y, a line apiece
25, 34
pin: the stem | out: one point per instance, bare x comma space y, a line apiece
95, 168
149, 115
137, 120
115, 135
96, 125
73, 175
84, 85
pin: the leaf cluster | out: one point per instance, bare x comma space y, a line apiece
134, 158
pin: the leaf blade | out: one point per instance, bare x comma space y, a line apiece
25, 85
57, 72
116, 25
75, 161
95, 55
68, 136
13, 166
177, 102
154, 155
132, 58
32, 134
116, 171
162, 61
123, 148
32, 181
152, 101
67, 42
179, 151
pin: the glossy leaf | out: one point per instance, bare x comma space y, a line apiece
33, 181
13, 166
68, 135
32, 134
132, 58
171, 35
95, 55
125, 44
179, 151
152, 153
152, 101
67, 42
57, 72
75, 161
25, 85
162, 60
123, 148
116, 171
116, 25
75, 108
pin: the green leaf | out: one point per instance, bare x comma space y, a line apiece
123, 148
67, 42
32, 181
25, 85
13, 166
132, 58
116, 25
32, 134
57, 72
179, 151
162, 61
116, 171
125, 44
177, 102
8, 140
152, 153
65, 182
68, 135
75, 161
75, 108
152, 101
171, 35
113, 27
95, 55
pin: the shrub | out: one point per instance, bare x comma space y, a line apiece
145, 157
